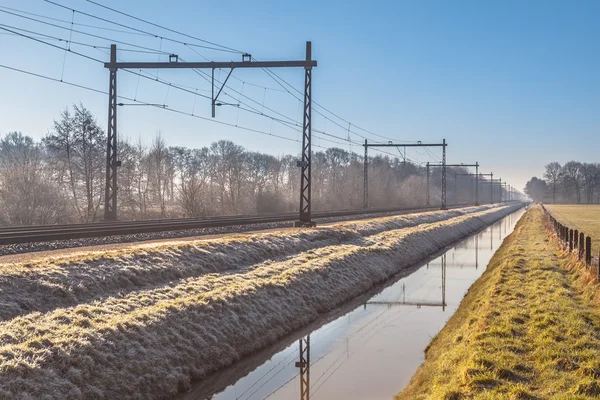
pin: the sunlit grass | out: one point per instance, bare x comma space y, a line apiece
583, 217
529, 328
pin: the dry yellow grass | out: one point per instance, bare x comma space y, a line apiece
143, 324
529, 328
583, 217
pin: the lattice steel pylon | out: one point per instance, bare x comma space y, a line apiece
366, 178
444, 175
112, 163
304, 365
427, 200
305, 164
491, 188
477, 183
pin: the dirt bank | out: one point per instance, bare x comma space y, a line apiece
527, 329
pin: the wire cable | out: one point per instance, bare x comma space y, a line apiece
163, 27
169, 84
51, 45
80, 32
270, 73
67, 22
135, 29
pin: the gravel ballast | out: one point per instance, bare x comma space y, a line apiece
139, 237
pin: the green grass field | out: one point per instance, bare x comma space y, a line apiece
529, 328
582, 217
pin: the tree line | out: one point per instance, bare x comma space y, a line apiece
60, 178
573, 182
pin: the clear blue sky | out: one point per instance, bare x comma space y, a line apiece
511, 84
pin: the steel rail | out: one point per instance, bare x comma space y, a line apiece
45, 233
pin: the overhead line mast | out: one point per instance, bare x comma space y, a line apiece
390, 144
476, 165
112, 162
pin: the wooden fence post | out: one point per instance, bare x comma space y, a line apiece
570, 239
588, 251
581, 244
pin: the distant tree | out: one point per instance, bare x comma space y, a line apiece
227, 160
159, 158
27, 194
590, 175
536, 189
195, 181
552, 175
76, 145
572, 173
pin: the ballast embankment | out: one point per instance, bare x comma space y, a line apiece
146, 322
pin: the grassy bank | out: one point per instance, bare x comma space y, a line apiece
583, 217
529, 328
144, 323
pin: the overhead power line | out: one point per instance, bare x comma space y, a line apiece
51, 45
290, 123
269, 72
153, 105
169, 84
82, 32
45, 36
74, 23
163, 27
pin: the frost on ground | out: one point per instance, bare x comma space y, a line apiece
144, 322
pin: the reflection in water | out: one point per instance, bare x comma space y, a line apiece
476, 251
417, 303
369, 350
304, 343
304, 365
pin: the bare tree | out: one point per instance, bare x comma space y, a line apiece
27, 195
552, 175
76, 146
573, 176
159, 162
590, 175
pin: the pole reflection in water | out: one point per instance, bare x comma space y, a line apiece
304, 365
370, 349
304, 343
476, 251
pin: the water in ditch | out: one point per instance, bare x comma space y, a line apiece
371, 348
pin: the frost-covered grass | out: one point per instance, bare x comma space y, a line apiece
529, 328
71, 280
143, 323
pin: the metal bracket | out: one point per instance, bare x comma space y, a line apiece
214, 98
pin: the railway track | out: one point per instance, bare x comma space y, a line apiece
47, 233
